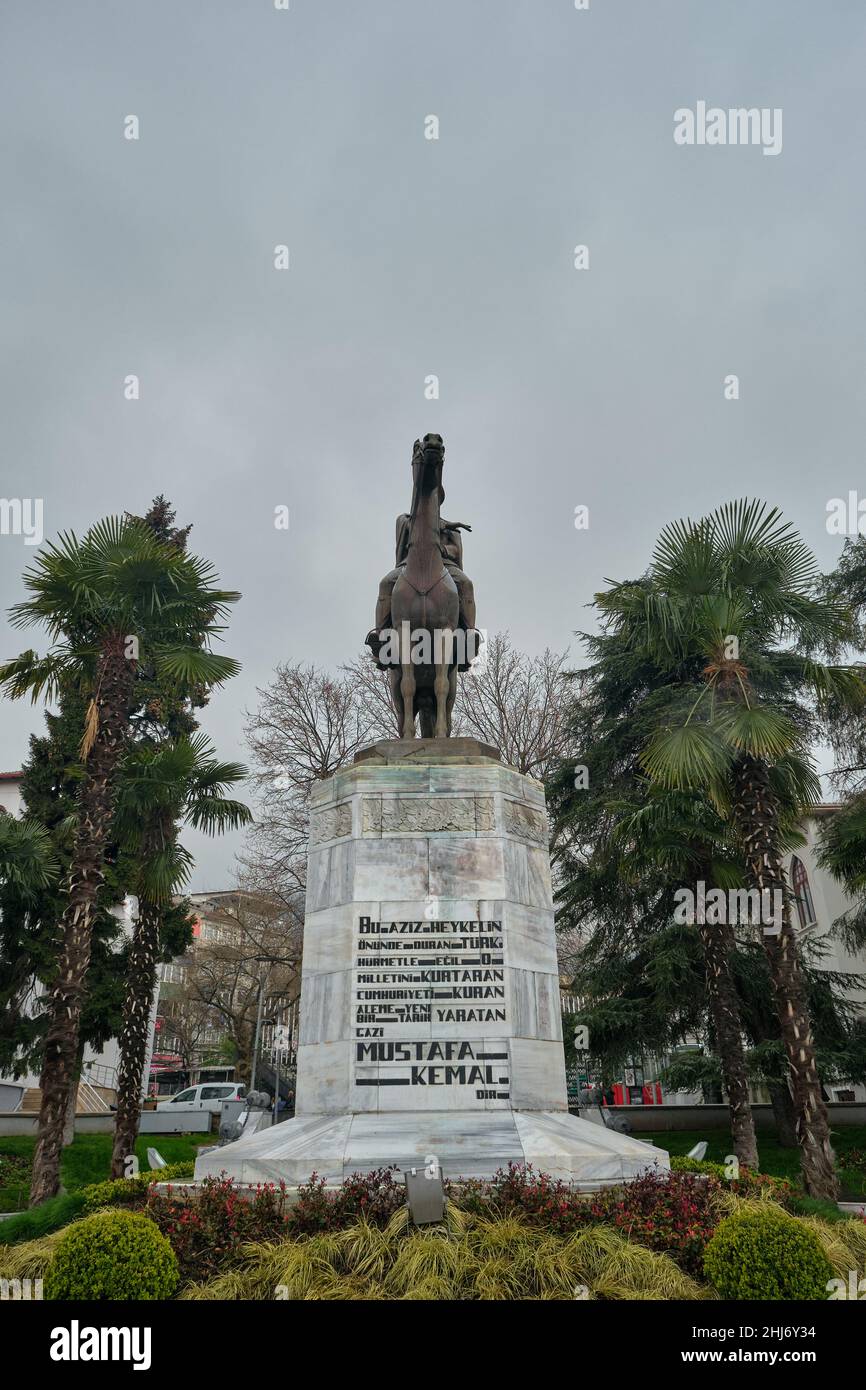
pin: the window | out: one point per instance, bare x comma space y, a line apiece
802, 894
216, 1092
171, 974
184, 1097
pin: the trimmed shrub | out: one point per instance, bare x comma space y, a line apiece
57, 1212
122, 1192
748, 1184
112, 1255
681, 1163
763, 1253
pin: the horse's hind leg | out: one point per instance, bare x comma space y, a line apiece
440, 685
407, 690
452, 696
394, 679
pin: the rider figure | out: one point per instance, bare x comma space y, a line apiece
451, 543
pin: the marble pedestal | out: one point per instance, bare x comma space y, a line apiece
430, 1023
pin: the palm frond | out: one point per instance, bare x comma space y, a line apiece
214, 814
687, 757
164, 872
194, 665
761, 730
29, 674
27, 858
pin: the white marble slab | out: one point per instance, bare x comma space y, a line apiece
465, 1145
466, 989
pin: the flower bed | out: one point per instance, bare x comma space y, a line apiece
519, 1235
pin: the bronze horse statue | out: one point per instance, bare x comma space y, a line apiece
425, 596
428, 602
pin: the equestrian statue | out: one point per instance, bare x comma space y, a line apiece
425, 614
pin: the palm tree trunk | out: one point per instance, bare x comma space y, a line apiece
783, 1114
95, 805
134, 1033
756, 814
725, 1014
72, 1102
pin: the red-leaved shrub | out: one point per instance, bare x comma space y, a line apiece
205, 1233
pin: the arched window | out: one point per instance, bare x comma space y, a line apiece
802, 893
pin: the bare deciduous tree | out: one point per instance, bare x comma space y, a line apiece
517, 703
257, 946
309, 724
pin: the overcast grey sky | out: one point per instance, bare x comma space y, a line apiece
411, 257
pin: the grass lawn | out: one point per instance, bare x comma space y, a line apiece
779, 1162
88, 1159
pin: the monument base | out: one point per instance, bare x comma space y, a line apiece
473, 1144
430, 1016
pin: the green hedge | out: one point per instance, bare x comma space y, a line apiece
748, 1180
59, 1211
121, 1192
766, 1255
112, 1255
698, 1165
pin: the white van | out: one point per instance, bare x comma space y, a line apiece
208, 1096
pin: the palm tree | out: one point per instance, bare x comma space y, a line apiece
730, 590
681, 834
107, 600
27, 860
160, 786
640, 844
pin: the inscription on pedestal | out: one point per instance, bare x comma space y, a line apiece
414, 976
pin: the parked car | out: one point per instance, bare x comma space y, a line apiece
208, 1096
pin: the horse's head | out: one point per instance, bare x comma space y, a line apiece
428, 458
